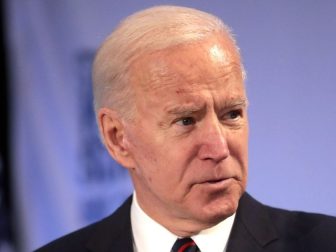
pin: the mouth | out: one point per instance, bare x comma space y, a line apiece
220, 179
218, 183
214, 181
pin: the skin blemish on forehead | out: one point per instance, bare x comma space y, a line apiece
179, 91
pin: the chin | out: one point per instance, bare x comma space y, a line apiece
220, 208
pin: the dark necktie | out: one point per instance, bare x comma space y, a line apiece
185, 245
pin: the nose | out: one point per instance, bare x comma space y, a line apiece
214, 144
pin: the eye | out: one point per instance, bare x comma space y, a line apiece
186, 121
233, 115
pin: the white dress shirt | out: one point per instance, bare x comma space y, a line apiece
148, 235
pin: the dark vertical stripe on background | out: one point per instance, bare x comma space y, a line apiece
6, 236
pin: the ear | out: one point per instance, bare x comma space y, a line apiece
112, 132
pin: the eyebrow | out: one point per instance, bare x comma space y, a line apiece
193, 108
235, 102
185, 109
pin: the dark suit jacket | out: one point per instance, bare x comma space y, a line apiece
256, 228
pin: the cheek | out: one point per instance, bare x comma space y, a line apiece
146, 154
168, 170
143, 154
238, 145
138, 145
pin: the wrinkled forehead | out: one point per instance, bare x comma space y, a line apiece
188, 65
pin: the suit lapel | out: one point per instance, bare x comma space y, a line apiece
114, 233
252, 229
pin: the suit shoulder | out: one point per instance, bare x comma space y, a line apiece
311, 230
74, 241
102, 232
304, 221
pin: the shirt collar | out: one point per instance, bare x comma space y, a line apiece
215, 239
148, 235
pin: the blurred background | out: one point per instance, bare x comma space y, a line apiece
56, 177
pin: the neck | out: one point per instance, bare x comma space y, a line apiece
181, 227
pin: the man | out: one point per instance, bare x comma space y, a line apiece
172, 109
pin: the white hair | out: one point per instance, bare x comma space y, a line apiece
144, 32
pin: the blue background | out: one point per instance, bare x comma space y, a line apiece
63, 179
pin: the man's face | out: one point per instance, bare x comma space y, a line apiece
189, 137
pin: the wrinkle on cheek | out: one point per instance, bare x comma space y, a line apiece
164, 125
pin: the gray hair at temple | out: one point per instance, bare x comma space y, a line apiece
144, 32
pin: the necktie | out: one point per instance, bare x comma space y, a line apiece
185, 245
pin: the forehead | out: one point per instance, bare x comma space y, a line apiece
213, 63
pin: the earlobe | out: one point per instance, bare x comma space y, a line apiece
112, 132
